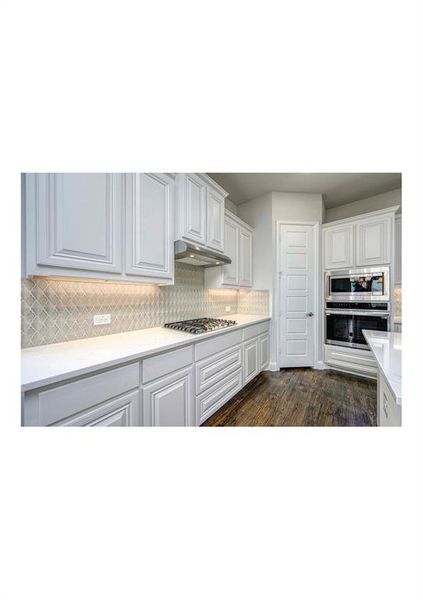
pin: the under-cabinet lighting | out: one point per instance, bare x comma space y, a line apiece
88, 280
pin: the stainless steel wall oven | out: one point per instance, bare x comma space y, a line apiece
346, 320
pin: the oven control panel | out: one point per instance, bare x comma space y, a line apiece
358, 305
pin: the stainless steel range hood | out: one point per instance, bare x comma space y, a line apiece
191, 254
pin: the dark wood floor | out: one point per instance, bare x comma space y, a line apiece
301, 397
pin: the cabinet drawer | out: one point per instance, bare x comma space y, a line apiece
351, 360
211, 400
255, 330
165, 363
214, 368
217, 344
54, 404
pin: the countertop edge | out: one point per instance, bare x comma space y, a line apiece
33, 385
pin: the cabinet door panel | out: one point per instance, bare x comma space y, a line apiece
120, 412
230, 272
215, 220
338, 246
251, 359
79, 221
264, 350
245, 258
170, 401
149, 225
194, 208
372, 242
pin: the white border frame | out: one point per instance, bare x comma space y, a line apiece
318, 289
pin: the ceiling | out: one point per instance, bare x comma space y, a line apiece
337, 188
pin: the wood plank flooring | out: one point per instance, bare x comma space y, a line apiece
301, 397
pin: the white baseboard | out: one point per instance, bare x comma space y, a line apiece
273, 367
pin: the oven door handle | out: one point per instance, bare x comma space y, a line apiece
355, 313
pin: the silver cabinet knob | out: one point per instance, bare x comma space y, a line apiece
310, 314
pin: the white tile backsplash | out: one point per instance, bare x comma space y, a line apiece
58, 311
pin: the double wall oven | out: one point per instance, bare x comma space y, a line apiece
356, 300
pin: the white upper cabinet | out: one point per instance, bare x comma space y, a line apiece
149, 226
362, 241
398, 251
74, 223
338, 247
373, 241
215, 220
230, 272
245, 258
239, 248
100, 226
200, 210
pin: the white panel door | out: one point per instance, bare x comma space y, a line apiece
215, 220
149, 225
373, 242
194, 209
338, 247
79, 221
297, 296
251, 359
245, 258
230, 272
170, 401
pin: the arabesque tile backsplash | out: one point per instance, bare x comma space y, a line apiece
59, 311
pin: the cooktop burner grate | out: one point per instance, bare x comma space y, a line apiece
200, 325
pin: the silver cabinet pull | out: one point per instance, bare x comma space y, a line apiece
310, 314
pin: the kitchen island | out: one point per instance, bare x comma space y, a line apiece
386, 347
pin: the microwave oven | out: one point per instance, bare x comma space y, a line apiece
358, 285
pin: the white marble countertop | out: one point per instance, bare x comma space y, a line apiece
44, 365
387, 349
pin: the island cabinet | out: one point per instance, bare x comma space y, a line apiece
99, 226
367, 240
200, 210
178, 388
388, 410
239, 248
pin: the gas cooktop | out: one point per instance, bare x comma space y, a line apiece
200, 325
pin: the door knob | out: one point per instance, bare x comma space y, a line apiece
310, 314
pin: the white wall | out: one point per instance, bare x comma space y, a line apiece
363, 206
231, 206
288, 206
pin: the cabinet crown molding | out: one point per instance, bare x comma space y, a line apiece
234, 217
375, 213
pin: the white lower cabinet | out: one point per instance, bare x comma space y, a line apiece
251, 359
178, 388
108, 398
351, 360
264, 349
388, 411
170, 401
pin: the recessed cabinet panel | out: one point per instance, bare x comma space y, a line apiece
77, 221
194, 209
264, 350
338, 247
251, 359
149, 225
215, 220
121, 412
245, 258
372, 247
230, 272
170, 401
